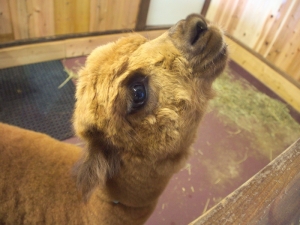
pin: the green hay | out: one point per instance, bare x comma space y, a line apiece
265, 121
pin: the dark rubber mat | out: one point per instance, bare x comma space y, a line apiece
30, 98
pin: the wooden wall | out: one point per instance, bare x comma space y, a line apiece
24, 19
270, 28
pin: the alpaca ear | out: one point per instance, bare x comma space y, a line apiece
100, 162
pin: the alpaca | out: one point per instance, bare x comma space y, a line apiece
138, 106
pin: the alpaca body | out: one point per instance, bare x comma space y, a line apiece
47, 182
138, 106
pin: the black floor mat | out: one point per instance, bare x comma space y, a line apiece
30, 98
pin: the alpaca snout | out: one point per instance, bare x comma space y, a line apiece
195, 26
202, 44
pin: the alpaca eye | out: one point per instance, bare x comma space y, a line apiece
137, 86
139, 95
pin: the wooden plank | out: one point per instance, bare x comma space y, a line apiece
84, 46
6, 37
226, 12
291, 64
274, 32
113, 15
270, 197
81, 15
19, 17
21, 55
27, 54
63, 20
250, 25
96, 11
6, 32
288, 50
40, 18
281, 44
236, 16
268, 24
235, 4
272, 79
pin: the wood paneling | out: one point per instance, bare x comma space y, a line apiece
270, 28
71, 16
19, 19
30, 19
40, 18
23, 19
113, 14
6, 32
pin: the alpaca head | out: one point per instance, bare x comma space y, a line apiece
144, 99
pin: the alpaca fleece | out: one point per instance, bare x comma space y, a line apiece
139, 104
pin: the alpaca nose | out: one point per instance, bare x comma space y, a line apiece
196, 27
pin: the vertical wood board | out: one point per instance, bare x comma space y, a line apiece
40, 18
6, 32
19, 17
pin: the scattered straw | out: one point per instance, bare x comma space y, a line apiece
206, 206
71, 75
266, 121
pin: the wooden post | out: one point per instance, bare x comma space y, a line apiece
142, 15
205, 7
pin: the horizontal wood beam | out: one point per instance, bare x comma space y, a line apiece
270, 197
34, 53
73, 47
84, 46
27, 54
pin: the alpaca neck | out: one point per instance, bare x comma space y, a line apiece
136, 188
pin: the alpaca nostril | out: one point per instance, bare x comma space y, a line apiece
201, 26
197, 30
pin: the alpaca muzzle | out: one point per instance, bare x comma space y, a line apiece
202, 45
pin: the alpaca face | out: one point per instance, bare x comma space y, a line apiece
144, 99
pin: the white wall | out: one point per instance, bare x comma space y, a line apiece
168, 12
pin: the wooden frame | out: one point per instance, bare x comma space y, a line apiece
205, 7
270, 197
142, 15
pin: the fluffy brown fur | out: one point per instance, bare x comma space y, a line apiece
131, 151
